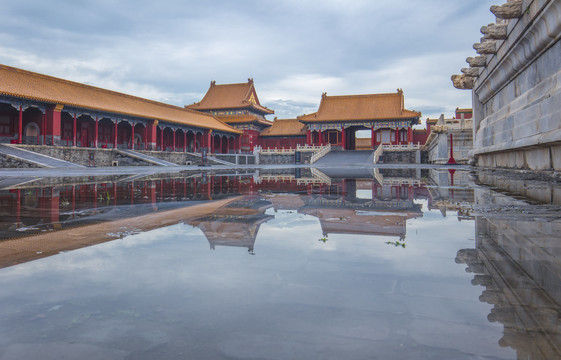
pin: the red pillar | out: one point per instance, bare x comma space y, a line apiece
96, 132
44, 128
396, 136
145, 136
372, 138
162, 139
309, 138
115, 135
20, 125
239, 143
320, 138
343, 138
409, 135
451, 160
53, 124
74, 131
131, 146
152, 135
184, 141
174, 139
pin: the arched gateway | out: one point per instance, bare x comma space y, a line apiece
340, 117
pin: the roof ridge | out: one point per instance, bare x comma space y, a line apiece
362, 95
238, 84
249, 91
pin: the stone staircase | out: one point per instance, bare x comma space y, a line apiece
35, 158
145, 157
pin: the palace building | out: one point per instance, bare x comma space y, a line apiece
339, 118
284, 133
238, 106
43, 110
37, 109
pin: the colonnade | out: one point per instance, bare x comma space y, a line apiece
36, 124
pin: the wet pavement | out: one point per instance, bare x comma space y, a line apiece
280, 262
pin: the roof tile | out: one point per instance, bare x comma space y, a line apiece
230, 96
33, 86
285, 127
361, 107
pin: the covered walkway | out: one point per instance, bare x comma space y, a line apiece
42, 110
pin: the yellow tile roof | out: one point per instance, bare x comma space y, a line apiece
361, 107
33, 86
230, 96
285, 127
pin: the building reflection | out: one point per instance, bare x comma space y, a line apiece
377, 206
235, 224
516, 262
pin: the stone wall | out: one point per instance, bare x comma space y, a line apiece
276, 159
438, 147
82, 156
241, 159
179, 158
517, 92
8, 162
401, 157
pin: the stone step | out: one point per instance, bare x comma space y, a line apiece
35, 158
147, 158
347, 157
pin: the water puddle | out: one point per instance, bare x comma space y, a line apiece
285, 264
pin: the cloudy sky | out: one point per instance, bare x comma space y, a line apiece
170, 50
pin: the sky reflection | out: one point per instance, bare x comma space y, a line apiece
305, 286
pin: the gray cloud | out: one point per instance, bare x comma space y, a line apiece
295, 50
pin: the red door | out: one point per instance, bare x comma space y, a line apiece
84, 137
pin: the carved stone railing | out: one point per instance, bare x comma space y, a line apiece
321, 176
377, 153
408, 147
321, 153
308, 148
277, 151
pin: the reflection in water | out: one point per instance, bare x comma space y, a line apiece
96, 212
367, 299
517, 261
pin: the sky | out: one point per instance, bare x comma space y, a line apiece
170, 50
